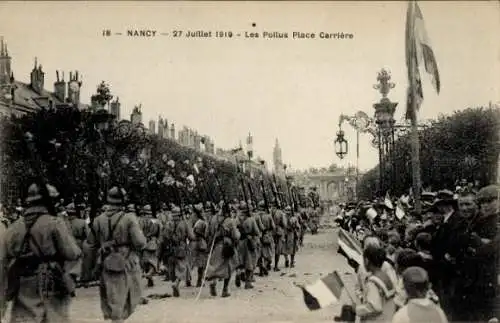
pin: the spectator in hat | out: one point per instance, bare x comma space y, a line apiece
483, 256
444, 243
419, 307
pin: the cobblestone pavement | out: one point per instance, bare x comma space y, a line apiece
275, 299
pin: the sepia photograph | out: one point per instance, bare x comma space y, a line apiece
249, 161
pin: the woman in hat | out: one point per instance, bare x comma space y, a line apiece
118, 238
39, 289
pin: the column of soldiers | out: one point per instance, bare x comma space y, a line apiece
44, 256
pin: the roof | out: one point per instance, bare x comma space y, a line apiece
26, 97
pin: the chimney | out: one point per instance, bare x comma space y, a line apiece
172, 132
74, 85
60, 88
37, 78
115, 108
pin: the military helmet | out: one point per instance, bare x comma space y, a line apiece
35, 194
116, 196
146, 210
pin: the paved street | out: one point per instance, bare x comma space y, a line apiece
274, 299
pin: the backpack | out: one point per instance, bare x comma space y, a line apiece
113, 261
18, 265
30, 261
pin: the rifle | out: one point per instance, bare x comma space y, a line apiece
40, 178
243, 186
275, 192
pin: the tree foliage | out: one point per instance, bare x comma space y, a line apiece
82, 161
463, 145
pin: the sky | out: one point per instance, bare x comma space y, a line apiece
293, 90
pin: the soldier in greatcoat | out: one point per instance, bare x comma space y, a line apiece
268, 229
39, 244
3, 263
80, 230
199, 246
223, 234
258, 243
174, 248
151, 228
291, 238
119, 240
281, 222
248, 244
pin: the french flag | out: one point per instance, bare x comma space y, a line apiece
324, 292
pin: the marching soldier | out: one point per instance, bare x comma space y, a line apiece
119, 240
223, 235
291, 236
268, 228
248, 244
80, 230
199, 246
38, 245
3, 263
174, 248
151, 228
280, 222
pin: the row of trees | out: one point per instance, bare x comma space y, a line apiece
83, 153
464, 145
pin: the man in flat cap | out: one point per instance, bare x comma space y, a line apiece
483, 256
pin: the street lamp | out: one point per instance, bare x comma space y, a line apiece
340, 144
384, 118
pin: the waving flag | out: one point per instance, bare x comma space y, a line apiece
350, 247
323, 292
418, 51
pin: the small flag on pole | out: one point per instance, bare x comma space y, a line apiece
400, 213
350, 246
323, 292
387, 201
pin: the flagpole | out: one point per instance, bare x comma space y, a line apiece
415, 105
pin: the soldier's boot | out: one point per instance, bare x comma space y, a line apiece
237, 280
287, 263
265, 268
225, 288
188, 278
213, 288
175, 287
276, 262
200, 277
248, 281
292, 261
151, 283
243, 275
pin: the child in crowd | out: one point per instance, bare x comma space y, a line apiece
419, 307
407, 258
378, 293
423, 243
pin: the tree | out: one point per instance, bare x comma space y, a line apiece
462, 145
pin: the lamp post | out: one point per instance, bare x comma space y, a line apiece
340, 144
384, 118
